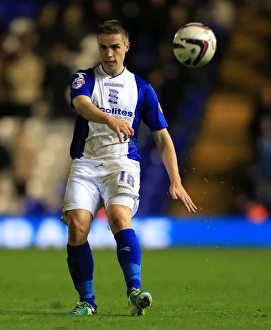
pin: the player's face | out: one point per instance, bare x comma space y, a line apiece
112, 48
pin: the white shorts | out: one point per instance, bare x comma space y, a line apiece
92, 184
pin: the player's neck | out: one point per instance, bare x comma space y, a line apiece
114, 73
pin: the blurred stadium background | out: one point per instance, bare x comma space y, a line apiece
219, 117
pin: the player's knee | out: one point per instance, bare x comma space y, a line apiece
74, 224
119, 218
117, 223
78, 229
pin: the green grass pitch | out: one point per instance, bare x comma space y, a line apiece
192, 289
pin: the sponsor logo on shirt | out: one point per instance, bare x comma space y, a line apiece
117, 111
113, 84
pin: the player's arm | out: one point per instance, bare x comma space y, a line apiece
167, 152
85, 108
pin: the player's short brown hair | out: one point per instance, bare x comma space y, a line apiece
112, 26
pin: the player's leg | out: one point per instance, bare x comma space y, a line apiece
128, 253
120, 192
128, 248
81, 201
80, 260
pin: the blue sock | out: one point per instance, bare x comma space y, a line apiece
129, 257
81, 265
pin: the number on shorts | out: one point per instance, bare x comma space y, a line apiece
127, 178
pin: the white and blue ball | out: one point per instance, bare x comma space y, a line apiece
194, 45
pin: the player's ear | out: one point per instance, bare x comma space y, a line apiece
127, 46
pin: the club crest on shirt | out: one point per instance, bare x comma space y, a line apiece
78, 82
113, 96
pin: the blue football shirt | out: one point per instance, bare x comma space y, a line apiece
126, 96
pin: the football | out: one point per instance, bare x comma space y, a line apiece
194, 45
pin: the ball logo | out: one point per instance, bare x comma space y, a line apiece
203, 45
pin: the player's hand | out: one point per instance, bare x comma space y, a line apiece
177, 191
122, 128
